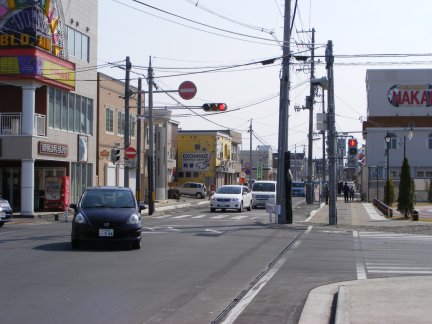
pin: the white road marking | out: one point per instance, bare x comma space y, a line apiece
361, 270
199, 216
213, 231
238, 217
182, 216
219, 216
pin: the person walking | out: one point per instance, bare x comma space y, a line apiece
351, 193
346, 191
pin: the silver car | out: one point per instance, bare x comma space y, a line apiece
193, 189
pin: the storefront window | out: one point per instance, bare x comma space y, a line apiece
50, 107
77, 113
71, 112
57, 110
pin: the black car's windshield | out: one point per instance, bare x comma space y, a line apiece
265, 187
229, 190
108, 199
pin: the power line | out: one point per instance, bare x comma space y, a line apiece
262, 29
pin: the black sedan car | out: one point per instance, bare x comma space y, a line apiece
5, 212
107, 214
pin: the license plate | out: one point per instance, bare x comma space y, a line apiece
2, 214
106, 232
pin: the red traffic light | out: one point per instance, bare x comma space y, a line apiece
214, 107
352, 143
352, 146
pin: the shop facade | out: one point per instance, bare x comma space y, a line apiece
47, 117
400, 106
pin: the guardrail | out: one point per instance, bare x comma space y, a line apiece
383, 208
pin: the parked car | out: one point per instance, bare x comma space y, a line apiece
263, 193
231, 197
5, 212
107, 214
192, 189
298, 189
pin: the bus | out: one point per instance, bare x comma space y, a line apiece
298, 189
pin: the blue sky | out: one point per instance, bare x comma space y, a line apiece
177, 46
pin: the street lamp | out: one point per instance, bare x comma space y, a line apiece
410, 135
387, 140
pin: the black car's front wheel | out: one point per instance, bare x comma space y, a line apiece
136, 245
76, 244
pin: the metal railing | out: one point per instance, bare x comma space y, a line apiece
11, 124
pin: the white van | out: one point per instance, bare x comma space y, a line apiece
263, 192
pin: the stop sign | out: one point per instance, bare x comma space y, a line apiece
130, 152
187, 90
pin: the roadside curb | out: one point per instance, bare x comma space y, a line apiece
184, 205
313, 213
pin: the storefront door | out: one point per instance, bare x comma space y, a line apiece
11, 186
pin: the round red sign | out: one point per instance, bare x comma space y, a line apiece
130, 152
187, 90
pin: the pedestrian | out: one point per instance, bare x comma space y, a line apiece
346, 191
351, 193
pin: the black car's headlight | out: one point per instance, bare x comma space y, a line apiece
80, 219
133, 219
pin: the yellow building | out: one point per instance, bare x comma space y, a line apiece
209, 157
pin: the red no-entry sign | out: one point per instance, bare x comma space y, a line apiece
187, 90
130, 152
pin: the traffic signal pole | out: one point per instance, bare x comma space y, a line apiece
285, 216
126, 124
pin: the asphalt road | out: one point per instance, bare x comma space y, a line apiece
194, 267
187, 271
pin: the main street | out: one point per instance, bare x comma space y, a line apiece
194, 267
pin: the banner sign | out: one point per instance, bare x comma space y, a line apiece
39, 65
410, 95
196, 161
33, 41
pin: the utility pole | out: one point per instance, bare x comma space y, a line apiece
309, 104
138, 158
150, 152
126, 123
250, 152
282, 199
331, 135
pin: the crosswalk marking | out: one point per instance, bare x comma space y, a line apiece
226, 216
392, 253
238, 217
219, 216
182, 216
199, 216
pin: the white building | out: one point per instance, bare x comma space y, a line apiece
398, 102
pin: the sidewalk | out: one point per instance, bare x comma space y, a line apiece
359, 213
384, 300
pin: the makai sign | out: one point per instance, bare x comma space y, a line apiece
410, 95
